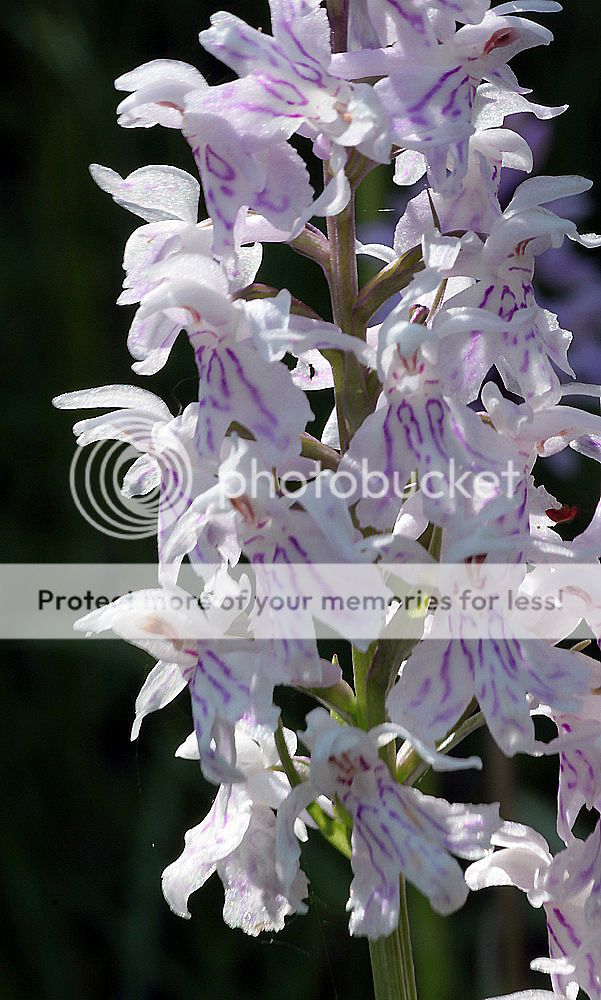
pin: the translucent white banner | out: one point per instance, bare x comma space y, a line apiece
360, 602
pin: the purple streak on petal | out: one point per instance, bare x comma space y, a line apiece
416, 21
295, 96
488, 292
309, 74
436, 414
217, 166
255, 395
413, 433
561, 920
423, 102
262, 201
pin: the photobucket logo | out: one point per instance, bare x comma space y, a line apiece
448, 483
122, 487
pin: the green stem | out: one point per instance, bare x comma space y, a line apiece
352, 398
260, 291
344, 282
310, 446
339, 700
361, 664
312, 243
353, 401
386, 283
382, 671
391, 957
411, 768
334, 830
319, 452
392, 960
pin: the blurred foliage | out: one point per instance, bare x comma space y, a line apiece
89, 820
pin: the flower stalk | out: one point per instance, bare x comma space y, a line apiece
352, 396
391, 957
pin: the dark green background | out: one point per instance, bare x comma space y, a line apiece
87, 820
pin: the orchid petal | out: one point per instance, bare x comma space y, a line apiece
164, 682
220, 833
154, 193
